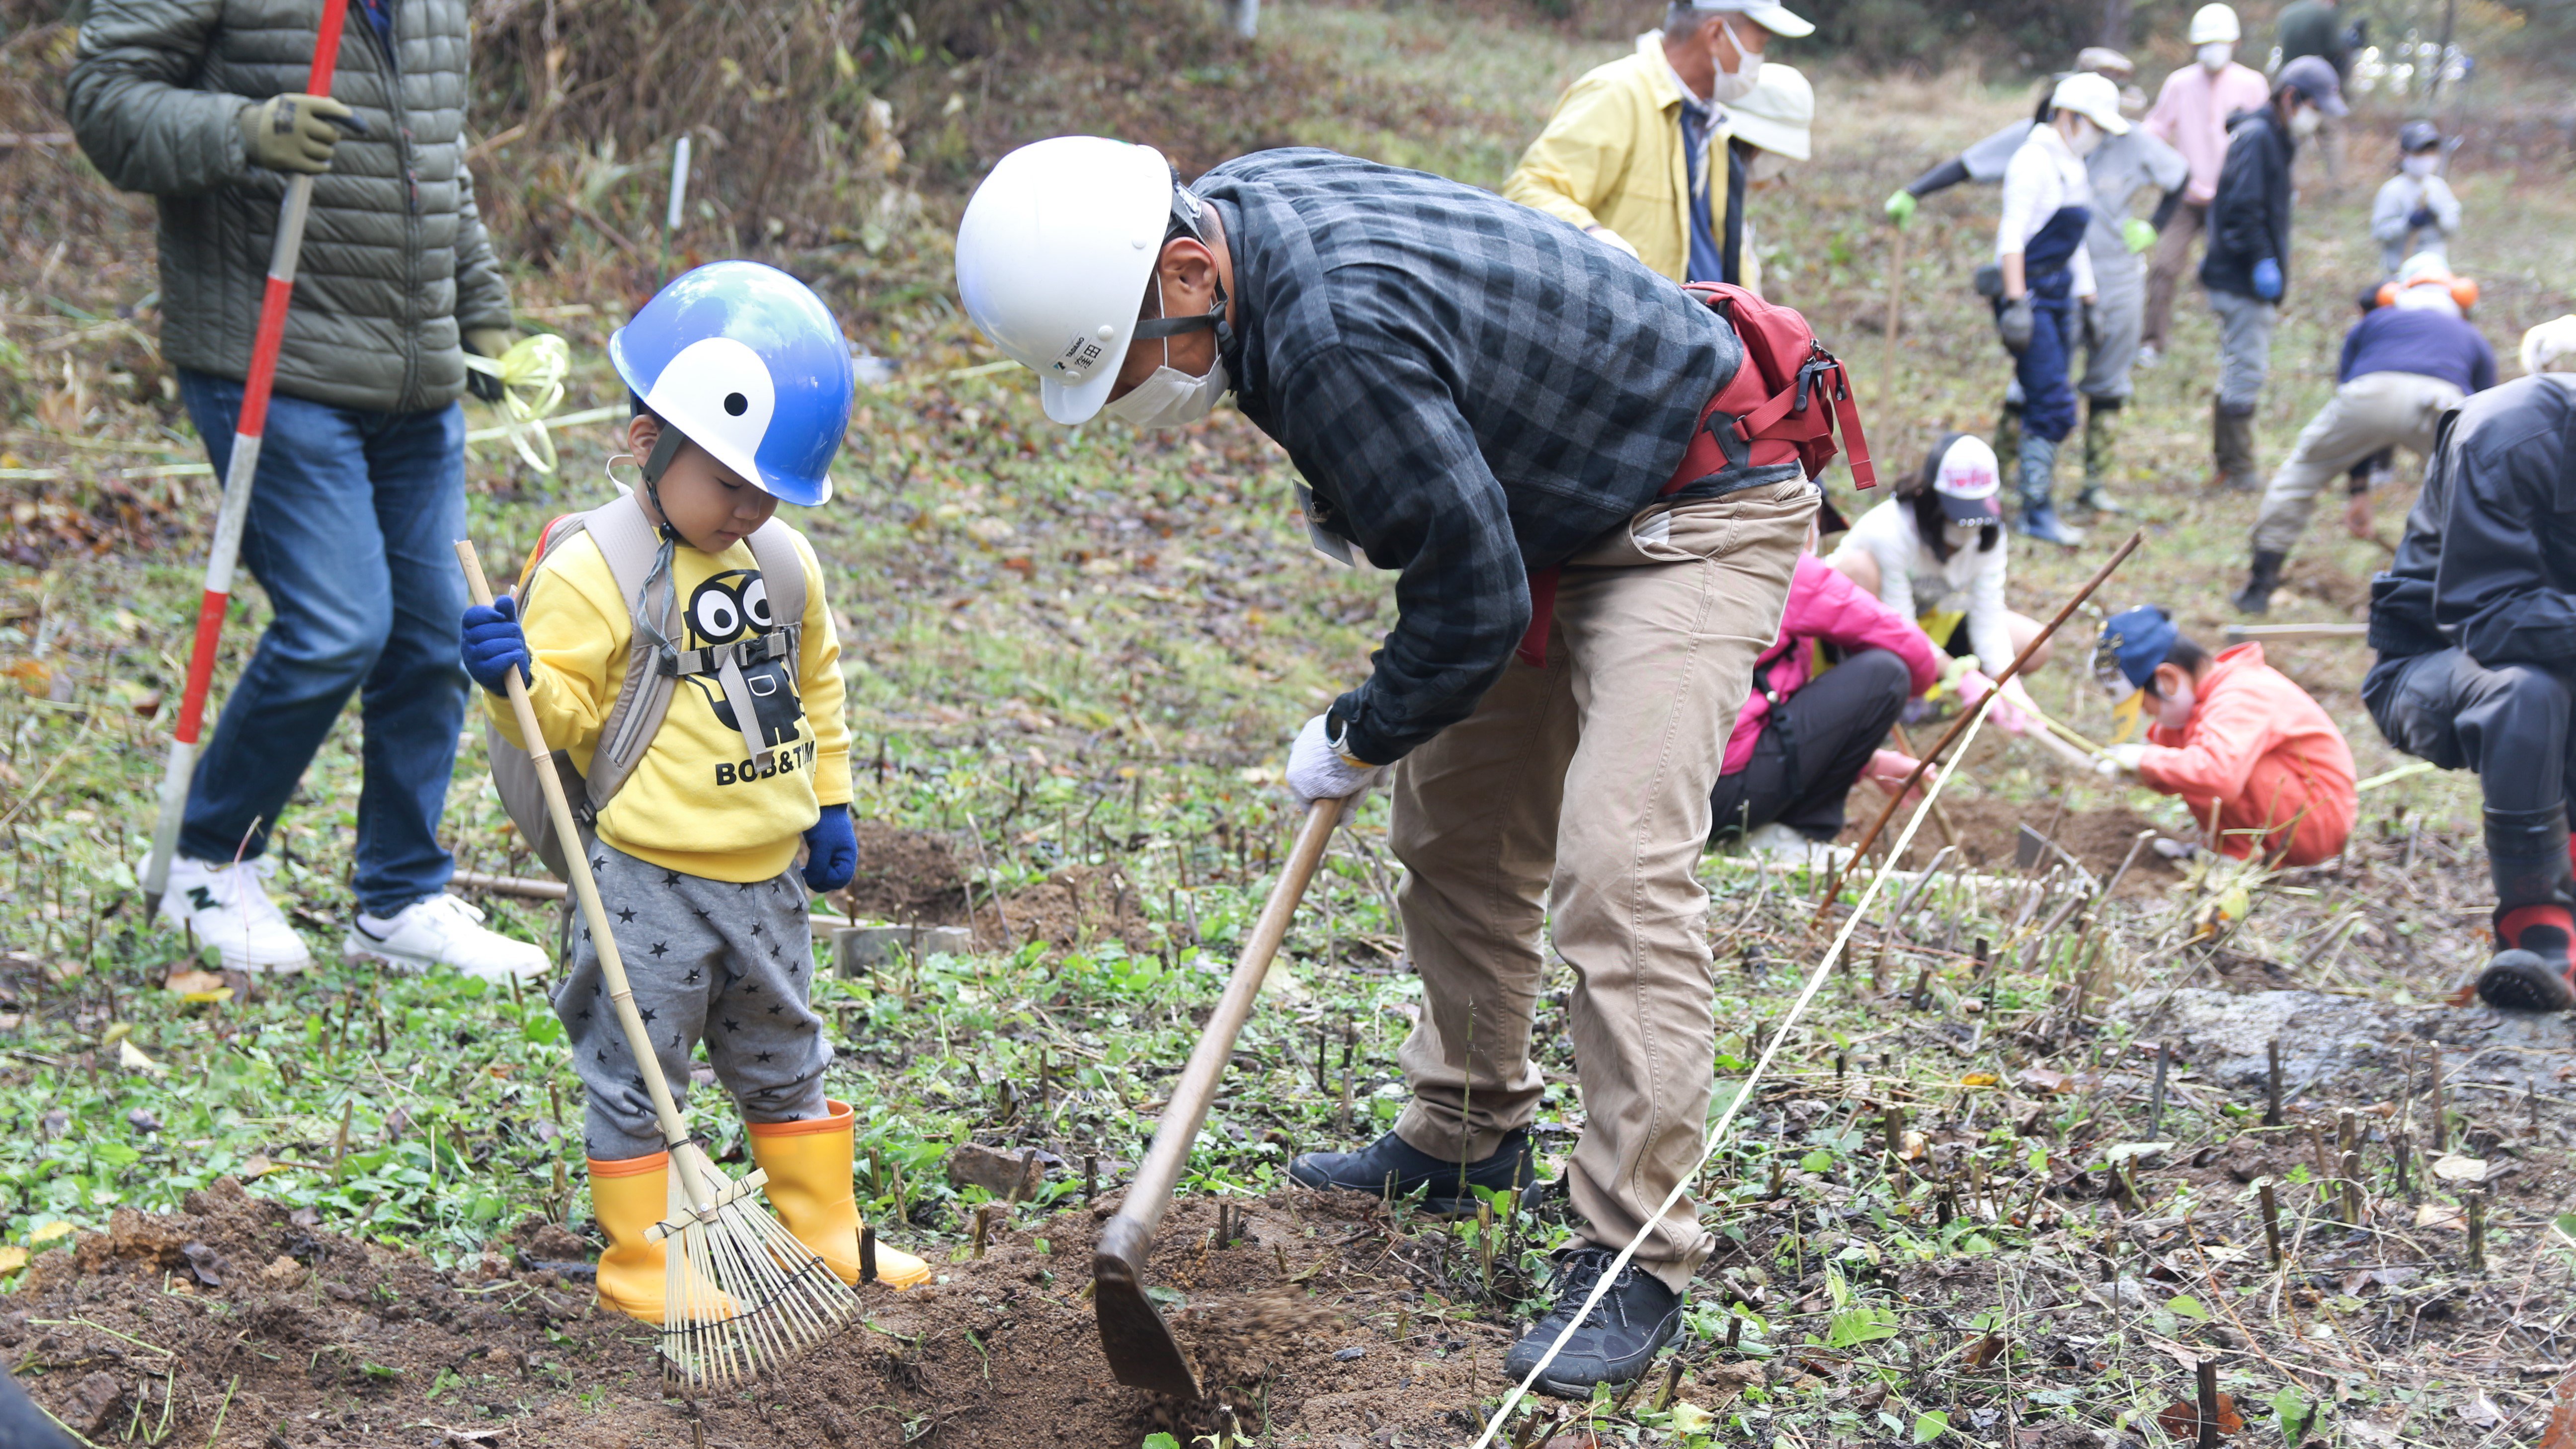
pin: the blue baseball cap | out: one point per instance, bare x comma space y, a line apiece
2133, 643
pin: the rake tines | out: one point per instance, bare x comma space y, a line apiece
743, 1296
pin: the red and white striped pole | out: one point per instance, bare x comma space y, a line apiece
235, 510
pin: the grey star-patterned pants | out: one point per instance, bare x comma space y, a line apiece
730, 964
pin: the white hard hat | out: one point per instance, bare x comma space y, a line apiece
2215, 25
1777, 113
2094, 97
2551, 346
1053, 257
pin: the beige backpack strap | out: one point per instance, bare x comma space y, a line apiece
629, 543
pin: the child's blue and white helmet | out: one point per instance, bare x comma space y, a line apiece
747, 363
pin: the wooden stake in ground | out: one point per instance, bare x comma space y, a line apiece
742, 1296
1960, 725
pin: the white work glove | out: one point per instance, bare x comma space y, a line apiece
2014, 714
1317, 771
2118, 760
1610, 239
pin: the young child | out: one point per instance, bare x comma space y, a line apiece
741, 385
2262, 767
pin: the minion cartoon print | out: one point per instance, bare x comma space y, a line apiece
734, 605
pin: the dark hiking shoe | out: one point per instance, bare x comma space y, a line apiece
1614, 1342
1391, 1167
2533, 972
2260, 581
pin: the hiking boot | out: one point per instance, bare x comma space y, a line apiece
2527, 851
442, 931
1393, 1168
1616, 1339
228, 908
2041, 522
2231, 436
2256, 596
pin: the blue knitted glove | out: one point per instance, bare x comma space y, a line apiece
494, 642
2267, 280
832, 851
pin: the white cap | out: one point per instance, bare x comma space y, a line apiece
1776, 114
2215, 25
2094, 97
1771, 15
2551, 346
1967, 482
1053, 256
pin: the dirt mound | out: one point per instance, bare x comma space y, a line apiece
233, 1323
1988, 830
905, 876
1077, 905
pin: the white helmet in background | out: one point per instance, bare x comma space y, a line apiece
1053, 257
1777, 114
2215, 25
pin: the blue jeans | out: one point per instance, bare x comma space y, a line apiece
353, 519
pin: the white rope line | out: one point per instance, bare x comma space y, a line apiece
1779, 1037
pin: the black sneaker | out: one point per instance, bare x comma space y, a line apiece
1391, 1167
1616, 1340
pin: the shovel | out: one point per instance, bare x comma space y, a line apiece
1139, 1345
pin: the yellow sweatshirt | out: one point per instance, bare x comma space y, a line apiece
693, 804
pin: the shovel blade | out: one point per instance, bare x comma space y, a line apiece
1133, 1336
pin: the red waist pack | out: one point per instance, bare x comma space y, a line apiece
1783, 405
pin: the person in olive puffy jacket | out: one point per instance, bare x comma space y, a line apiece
360, 489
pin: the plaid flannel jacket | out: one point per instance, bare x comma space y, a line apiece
1473, 389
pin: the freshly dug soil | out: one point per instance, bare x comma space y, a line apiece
905, 876
235, 1326
1074, 906
1988, 829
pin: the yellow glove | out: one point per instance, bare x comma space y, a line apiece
295, 132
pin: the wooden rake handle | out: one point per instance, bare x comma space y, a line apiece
612, 967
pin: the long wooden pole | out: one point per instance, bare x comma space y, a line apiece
1960, 725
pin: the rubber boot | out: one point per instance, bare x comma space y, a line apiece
2535, 915
2038, 517
2256, 596
809, 1165
2101, 431
2008, 445
2232, 444
629, 1196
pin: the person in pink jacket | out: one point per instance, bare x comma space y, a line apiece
1804, 738
2261, 765
2190, 115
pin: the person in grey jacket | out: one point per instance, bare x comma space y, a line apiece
361, 480
2115, 240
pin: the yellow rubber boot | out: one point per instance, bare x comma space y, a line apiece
631, 1195
809, 1166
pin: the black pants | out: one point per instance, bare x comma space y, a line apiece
1818, 741
2509, 725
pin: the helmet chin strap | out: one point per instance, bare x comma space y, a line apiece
1213, 320
666, 446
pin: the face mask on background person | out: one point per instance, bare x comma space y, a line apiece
2304, 122
2215, 55
2419, 166
1735, 85
1766, 166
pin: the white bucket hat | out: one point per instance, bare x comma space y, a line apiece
1777, 113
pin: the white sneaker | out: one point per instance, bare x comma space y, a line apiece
2147, 357
442, 931
228, 908
1783, 845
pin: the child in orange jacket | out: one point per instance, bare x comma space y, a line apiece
2261, 765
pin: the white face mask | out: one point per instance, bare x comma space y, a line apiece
2304, 122
1170, 397
1766, 166
1735, 85
2419, 166
2084, 138
2215, 55
2174, 711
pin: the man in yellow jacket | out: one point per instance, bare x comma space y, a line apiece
1636, 152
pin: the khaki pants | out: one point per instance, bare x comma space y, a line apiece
1576, 799
2373, 411
2172, 257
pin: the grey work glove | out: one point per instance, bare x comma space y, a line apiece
2014, 322
295, 132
